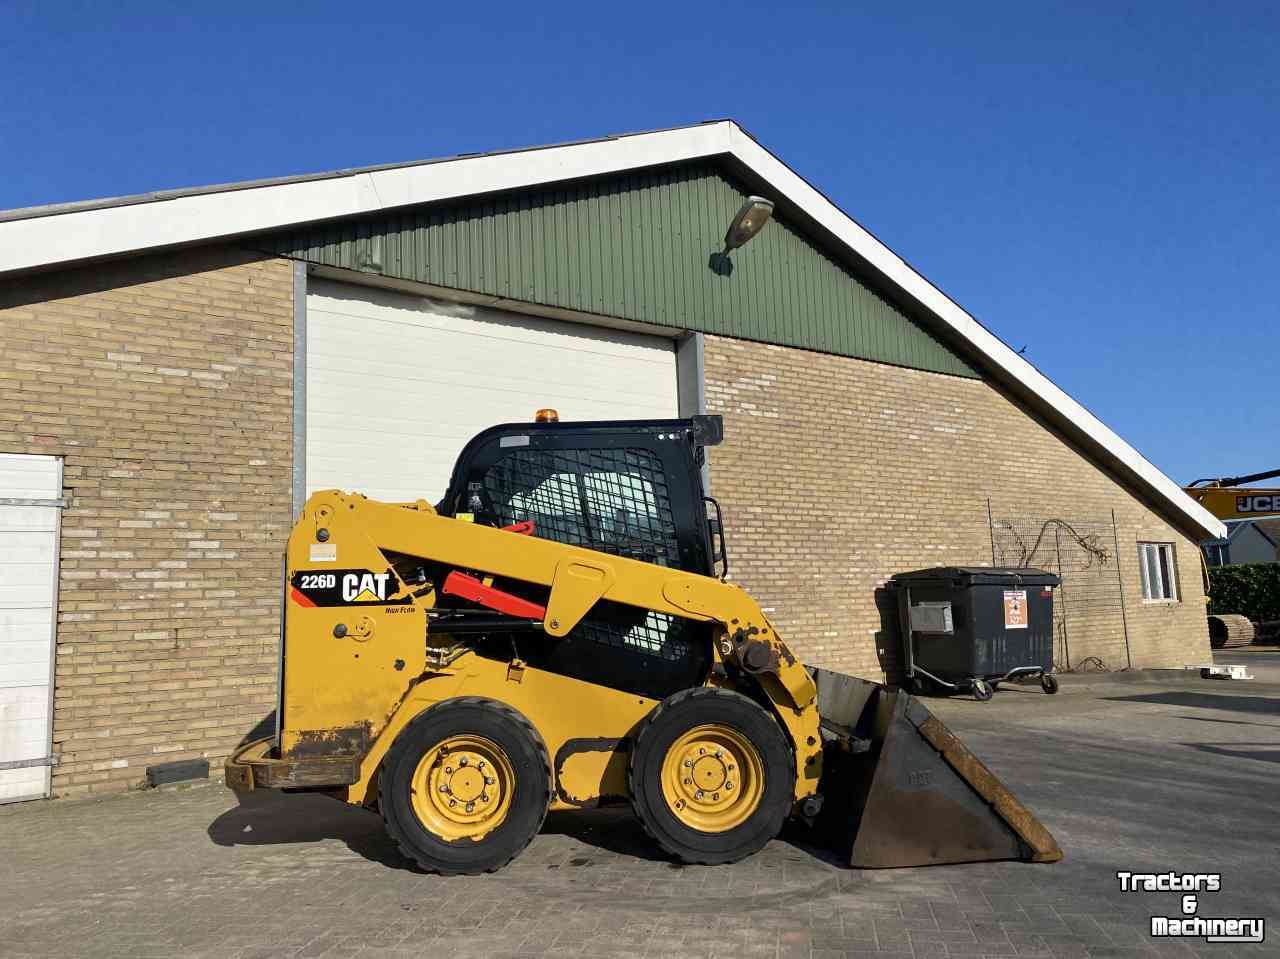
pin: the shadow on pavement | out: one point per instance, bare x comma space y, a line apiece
615, 829
269, 818
1229, 722
612, 828
1269, 753
1029, 687
1239, 704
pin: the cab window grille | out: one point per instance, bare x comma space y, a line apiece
612, 500
640, 630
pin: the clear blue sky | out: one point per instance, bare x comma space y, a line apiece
1097, 181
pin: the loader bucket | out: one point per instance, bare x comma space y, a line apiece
901, 790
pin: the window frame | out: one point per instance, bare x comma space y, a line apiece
1170, 592
1217, 554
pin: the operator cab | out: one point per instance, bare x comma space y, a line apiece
632, 489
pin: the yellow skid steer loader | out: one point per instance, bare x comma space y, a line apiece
557, 633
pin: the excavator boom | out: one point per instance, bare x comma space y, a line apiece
1231, 497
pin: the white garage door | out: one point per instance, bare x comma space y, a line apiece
29, 488
397, 384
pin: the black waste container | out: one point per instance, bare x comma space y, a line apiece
972, 627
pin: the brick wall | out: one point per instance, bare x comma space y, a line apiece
836, 473
165, 382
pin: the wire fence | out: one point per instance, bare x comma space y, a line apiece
1084, 554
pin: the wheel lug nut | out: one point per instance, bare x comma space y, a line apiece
448, 769
471, 807
715, 795
698, 794
480, 764
444, 787
688, 763
452, 803
688, 782
728, 786
489, 780
462, 761
719, 753
484, 797
701, 751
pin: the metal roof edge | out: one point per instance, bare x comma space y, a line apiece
64, 235
101, 203
1237, 526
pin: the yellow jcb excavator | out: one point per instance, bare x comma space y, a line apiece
557, 633
1231, 497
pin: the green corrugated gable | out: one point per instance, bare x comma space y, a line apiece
634, 246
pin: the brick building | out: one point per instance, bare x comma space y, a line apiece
179, 369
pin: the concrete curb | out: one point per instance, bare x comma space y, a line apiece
1219, 656
1130, 676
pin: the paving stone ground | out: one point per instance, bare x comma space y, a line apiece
1134, 776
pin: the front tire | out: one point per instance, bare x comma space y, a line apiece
712, 776
465, 787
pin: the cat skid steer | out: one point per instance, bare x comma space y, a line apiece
557, 633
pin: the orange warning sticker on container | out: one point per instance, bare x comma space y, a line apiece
1015, 609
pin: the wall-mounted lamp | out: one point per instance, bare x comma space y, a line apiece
749, 220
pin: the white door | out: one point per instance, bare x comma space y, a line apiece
30, 491
397, 384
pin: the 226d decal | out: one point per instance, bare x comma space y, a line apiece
346, 587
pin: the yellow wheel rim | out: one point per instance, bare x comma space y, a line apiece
712, 778
462, 788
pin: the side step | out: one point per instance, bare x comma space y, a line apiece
917, 796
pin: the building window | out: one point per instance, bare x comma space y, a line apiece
1159, 572
1216, 554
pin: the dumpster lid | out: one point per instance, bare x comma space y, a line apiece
982, 576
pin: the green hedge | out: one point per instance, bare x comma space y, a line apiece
1251, 590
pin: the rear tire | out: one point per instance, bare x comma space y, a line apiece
712, 776
465, 786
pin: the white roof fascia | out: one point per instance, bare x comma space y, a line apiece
68, 237
77, 235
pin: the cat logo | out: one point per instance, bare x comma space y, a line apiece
365, 587
347, 587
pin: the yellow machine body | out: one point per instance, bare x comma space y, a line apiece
355, 674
